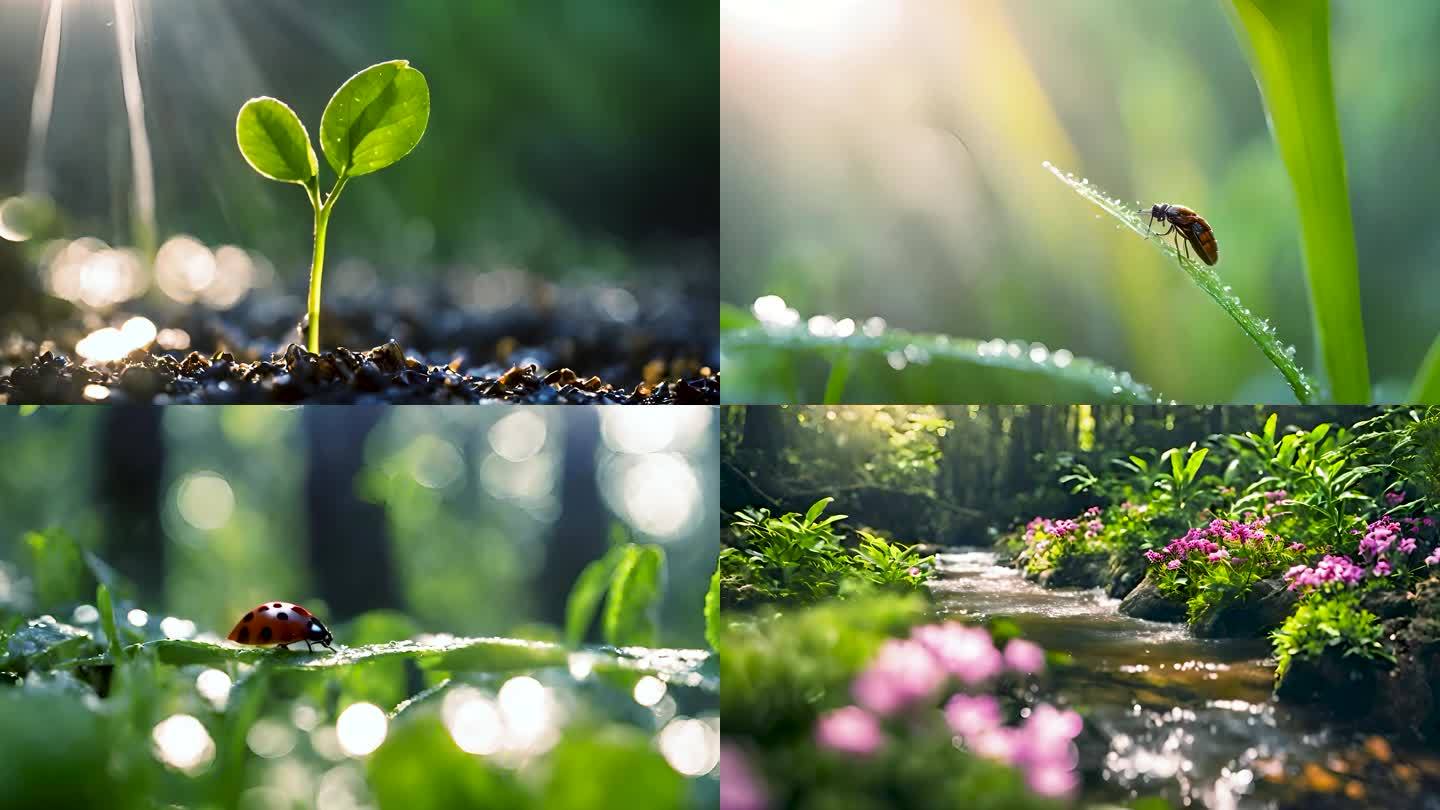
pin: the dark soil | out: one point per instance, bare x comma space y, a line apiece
561, 346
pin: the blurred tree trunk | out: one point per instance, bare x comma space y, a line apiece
129, 480
580, 535
350, 551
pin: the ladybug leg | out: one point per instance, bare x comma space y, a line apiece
285, 647
308, 646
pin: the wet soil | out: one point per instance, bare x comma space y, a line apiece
597, 345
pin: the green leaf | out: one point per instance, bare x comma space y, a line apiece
588, 592
1270, 427
620, 768
42, 642
1288, 42
712, 611
1193, 465
274, 142
1258, 329
632, 610
107, 621
375, 118
789, 364
419, 767
816, 508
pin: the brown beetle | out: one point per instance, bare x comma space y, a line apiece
1186, 223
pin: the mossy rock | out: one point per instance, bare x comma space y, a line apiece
1264, 607
1077, 571
1145, 601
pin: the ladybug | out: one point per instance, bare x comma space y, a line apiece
281, 623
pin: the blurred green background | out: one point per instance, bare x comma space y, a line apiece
568, 138
845, 192
468, 521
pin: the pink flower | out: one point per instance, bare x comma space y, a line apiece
1025, 657
850, 730
914, 571
902, 673
1395, 498
1434, 558
968, 653
999, 743
1049, 731
1382, 568
971, 717
1052, 781
1154, 556
740, 787
1217, 556
1296, 547
1173, 564
1407, 544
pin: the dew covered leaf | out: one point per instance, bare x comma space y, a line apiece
1256, 328
44, 641
274, 142
789, 364
375, 118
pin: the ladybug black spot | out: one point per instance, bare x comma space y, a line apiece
266, 633
248, 617
282, 616
277, 604
244, 635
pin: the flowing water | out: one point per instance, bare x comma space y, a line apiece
1190, 719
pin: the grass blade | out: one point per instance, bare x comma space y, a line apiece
1289, 46
1425, 390
1259, 330
900, 366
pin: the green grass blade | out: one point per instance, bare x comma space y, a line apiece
1289, 46
1425, 390
899, 366
1258, 329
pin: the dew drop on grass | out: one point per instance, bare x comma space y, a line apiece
896, 360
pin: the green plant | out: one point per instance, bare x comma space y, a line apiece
1256, 328
1182, 483
1324, 623
374, 119
1288, 42
885, 563
629, 579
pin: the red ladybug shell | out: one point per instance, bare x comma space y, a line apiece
277, 623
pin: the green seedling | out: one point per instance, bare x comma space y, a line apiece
373, 120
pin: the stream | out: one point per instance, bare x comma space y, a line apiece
1189, 719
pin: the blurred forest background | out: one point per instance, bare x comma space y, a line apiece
470, 521
845, 192
570, 139
952, 475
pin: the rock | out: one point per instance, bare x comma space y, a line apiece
1124, 576
1077, 571
1264, 608
1146, 602
1346, 686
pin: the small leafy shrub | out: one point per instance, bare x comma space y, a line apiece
1047, 541
801, 558
1324, 623
373, 120
1217, 564
850, 704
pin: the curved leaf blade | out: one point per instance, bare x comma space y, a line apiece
274, 142
588, 592
632, 610
789, 364
1258, 329
375, 118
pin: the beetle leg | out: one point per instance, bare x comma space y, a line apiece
285, 647
308, 647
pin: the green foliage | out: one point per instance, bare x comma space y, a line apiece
1288, 42
1183, 480
801, 558
771, 364
630, 582
374, 119
712, 610
1256, 328
1321, 624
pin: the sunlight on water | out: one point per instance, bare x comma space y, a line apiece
270, 739
660, 494
518, 436
649, 690
531, 715
182, 742
205, 500
214, 686
110, 344
474, 721
691, 746
361, 729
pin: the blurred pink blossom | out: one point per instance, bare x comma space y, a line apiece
903, 673
968, 653
971, 716
1025, 657
740, 787
850, 730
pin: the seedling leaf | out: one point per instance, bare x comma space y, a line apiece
274, 142
375, 118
